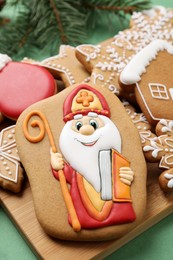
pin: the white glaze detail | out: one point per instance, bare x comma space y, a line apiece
9, 160
154, 148
4, 60
158, 91
87, 165
137, 66
48, 63
89, 55
167, 125
97, 77
169, 177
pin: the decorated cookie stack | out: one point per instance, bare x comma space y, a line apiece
76, 146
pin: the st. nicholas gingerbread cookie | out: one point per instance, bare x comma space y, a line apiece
86, 182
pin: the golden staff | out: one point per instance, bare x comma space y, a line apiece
34, 139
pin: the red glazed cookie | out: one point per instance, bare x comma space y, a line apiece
86, 182
21, 85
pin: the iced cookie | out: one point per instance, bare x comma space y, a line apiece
86, 182
11, 172
21, 85
160, 149
107, 60
150, 71
66, 66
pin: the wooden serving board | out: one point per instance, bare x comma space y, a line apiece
20, 208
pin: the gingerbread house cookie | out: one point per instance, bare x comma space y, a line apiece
150, 71
106, 61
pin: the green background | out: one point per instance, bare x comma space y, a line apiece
155, 243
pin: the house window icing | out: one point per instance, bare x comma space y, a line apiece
158, 91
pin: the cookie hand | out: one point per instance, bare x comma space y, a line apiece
126, 175
56, 160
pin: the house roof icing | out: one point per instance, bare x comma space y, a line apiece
137, 66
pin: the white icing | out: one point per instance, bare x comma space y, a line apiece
146, 135
169, 177
48, 63
152, 12
6, 156
167, 125
153, 147
86, 161
137, 66
92, 114
146, 105
97, 77
85, 49
78, 116
158, 91
114, 89
4, 59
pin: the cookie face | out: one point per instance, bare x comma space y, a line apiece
21, 85
77, 197
150, 71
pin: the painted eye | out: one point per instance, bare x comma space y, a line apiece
94, 123
79, 125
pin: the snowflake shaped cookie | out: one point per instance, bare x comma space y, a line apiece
160, 149
107, 60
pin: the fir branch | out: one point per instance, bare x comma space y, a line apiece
60, 26
122, 10
125, 6
43, 25
68, 28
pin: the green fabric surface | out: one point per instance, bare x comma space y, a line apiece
155, 243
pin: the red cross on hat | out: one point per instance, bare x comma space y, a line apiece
84, 99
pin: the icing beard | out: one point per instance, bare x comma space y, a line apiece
82, 151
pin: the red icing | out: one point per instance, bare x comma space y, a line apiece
21, 85
70, 97
121, 213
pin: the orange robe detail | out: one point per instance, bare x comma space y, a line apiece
117, 211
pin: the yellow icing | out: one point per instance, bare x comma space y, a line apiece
93, 196
93, 101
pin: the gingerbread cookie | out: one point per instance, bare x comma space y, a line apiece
107, 60
160, 149
87, 185
66, 66
21, 85
11, 172
150, 71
